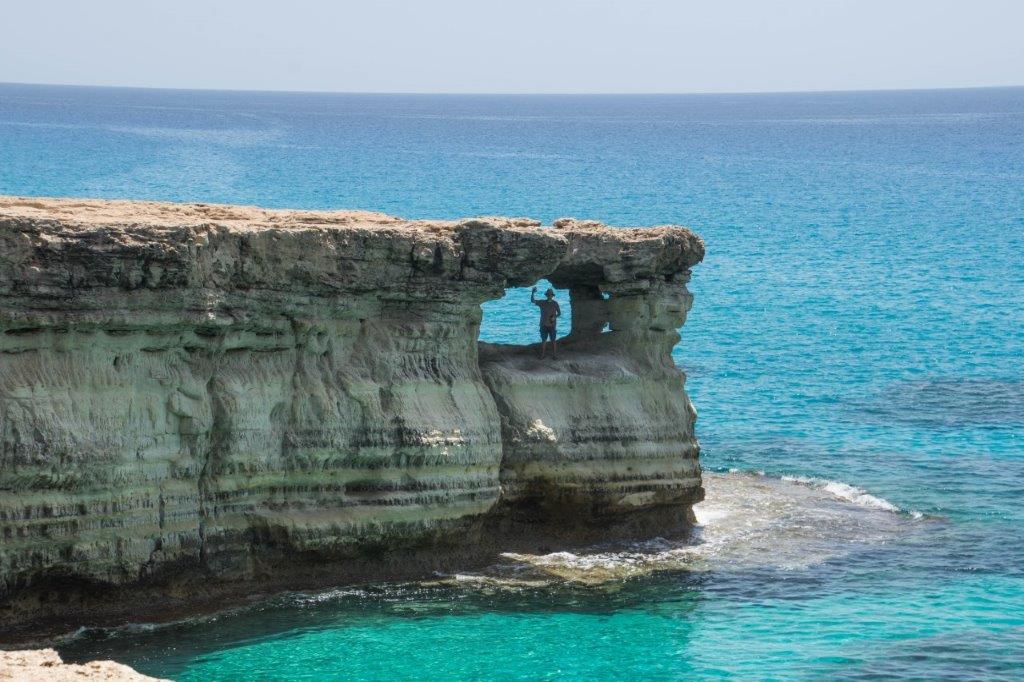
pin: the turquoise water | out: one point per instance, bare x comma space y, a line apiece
857, 337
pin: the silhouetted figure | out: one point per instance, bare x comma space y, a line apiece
549, 314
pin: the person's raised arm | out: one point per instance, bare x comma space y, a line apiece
533, 293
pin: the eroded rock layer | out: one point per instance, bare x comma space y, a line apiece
233, 393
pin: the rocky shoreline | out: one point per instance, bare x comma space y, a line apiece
45, 665
203, 402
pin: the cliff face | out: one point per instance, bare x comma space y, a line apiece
239, 394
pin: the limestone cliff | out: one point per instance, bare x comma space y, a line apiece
235, 395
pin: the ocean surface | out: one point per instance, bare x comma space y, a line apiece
854, 352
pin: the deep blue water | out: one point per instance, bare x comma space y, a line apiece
858, 329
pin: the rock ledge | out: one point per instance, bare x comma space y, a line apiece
45, 665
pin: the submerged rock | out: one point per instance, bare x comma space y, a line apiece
197, 400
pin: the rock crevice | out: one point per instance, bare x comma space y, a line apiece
238, 395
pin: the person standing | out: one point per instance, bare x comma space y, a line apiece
549, 314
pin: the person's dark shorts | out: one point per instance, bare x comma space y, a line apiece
547, 333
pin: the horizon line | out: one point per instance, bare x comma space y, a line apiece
455, 93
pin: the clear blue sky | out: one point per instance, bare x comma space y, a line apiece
516, 45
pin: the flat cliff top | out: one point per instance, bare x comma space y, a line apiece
75, 243
84, 213
164, 214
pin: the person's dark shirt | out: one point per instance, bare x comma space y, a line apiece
549, 312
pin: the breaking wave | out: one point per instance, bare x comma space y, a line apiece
845, 491
748, 520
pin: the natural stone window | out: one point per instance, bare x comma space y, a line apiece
513, 320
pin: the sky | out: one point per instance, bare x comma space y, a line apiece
512, 46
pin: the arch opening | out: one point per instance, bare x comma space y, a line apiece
588, 321
513, 321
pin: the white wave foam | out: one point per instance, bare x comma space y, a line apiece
847, 492
748, 519
706, 516
305, 599
84, 631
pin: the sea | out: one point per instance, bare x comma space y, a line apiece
854, 352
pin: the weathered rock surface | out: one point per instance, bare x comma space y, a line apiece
45, 665
194, 396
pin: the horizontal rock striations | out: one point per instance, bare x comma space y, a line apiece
194, 396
